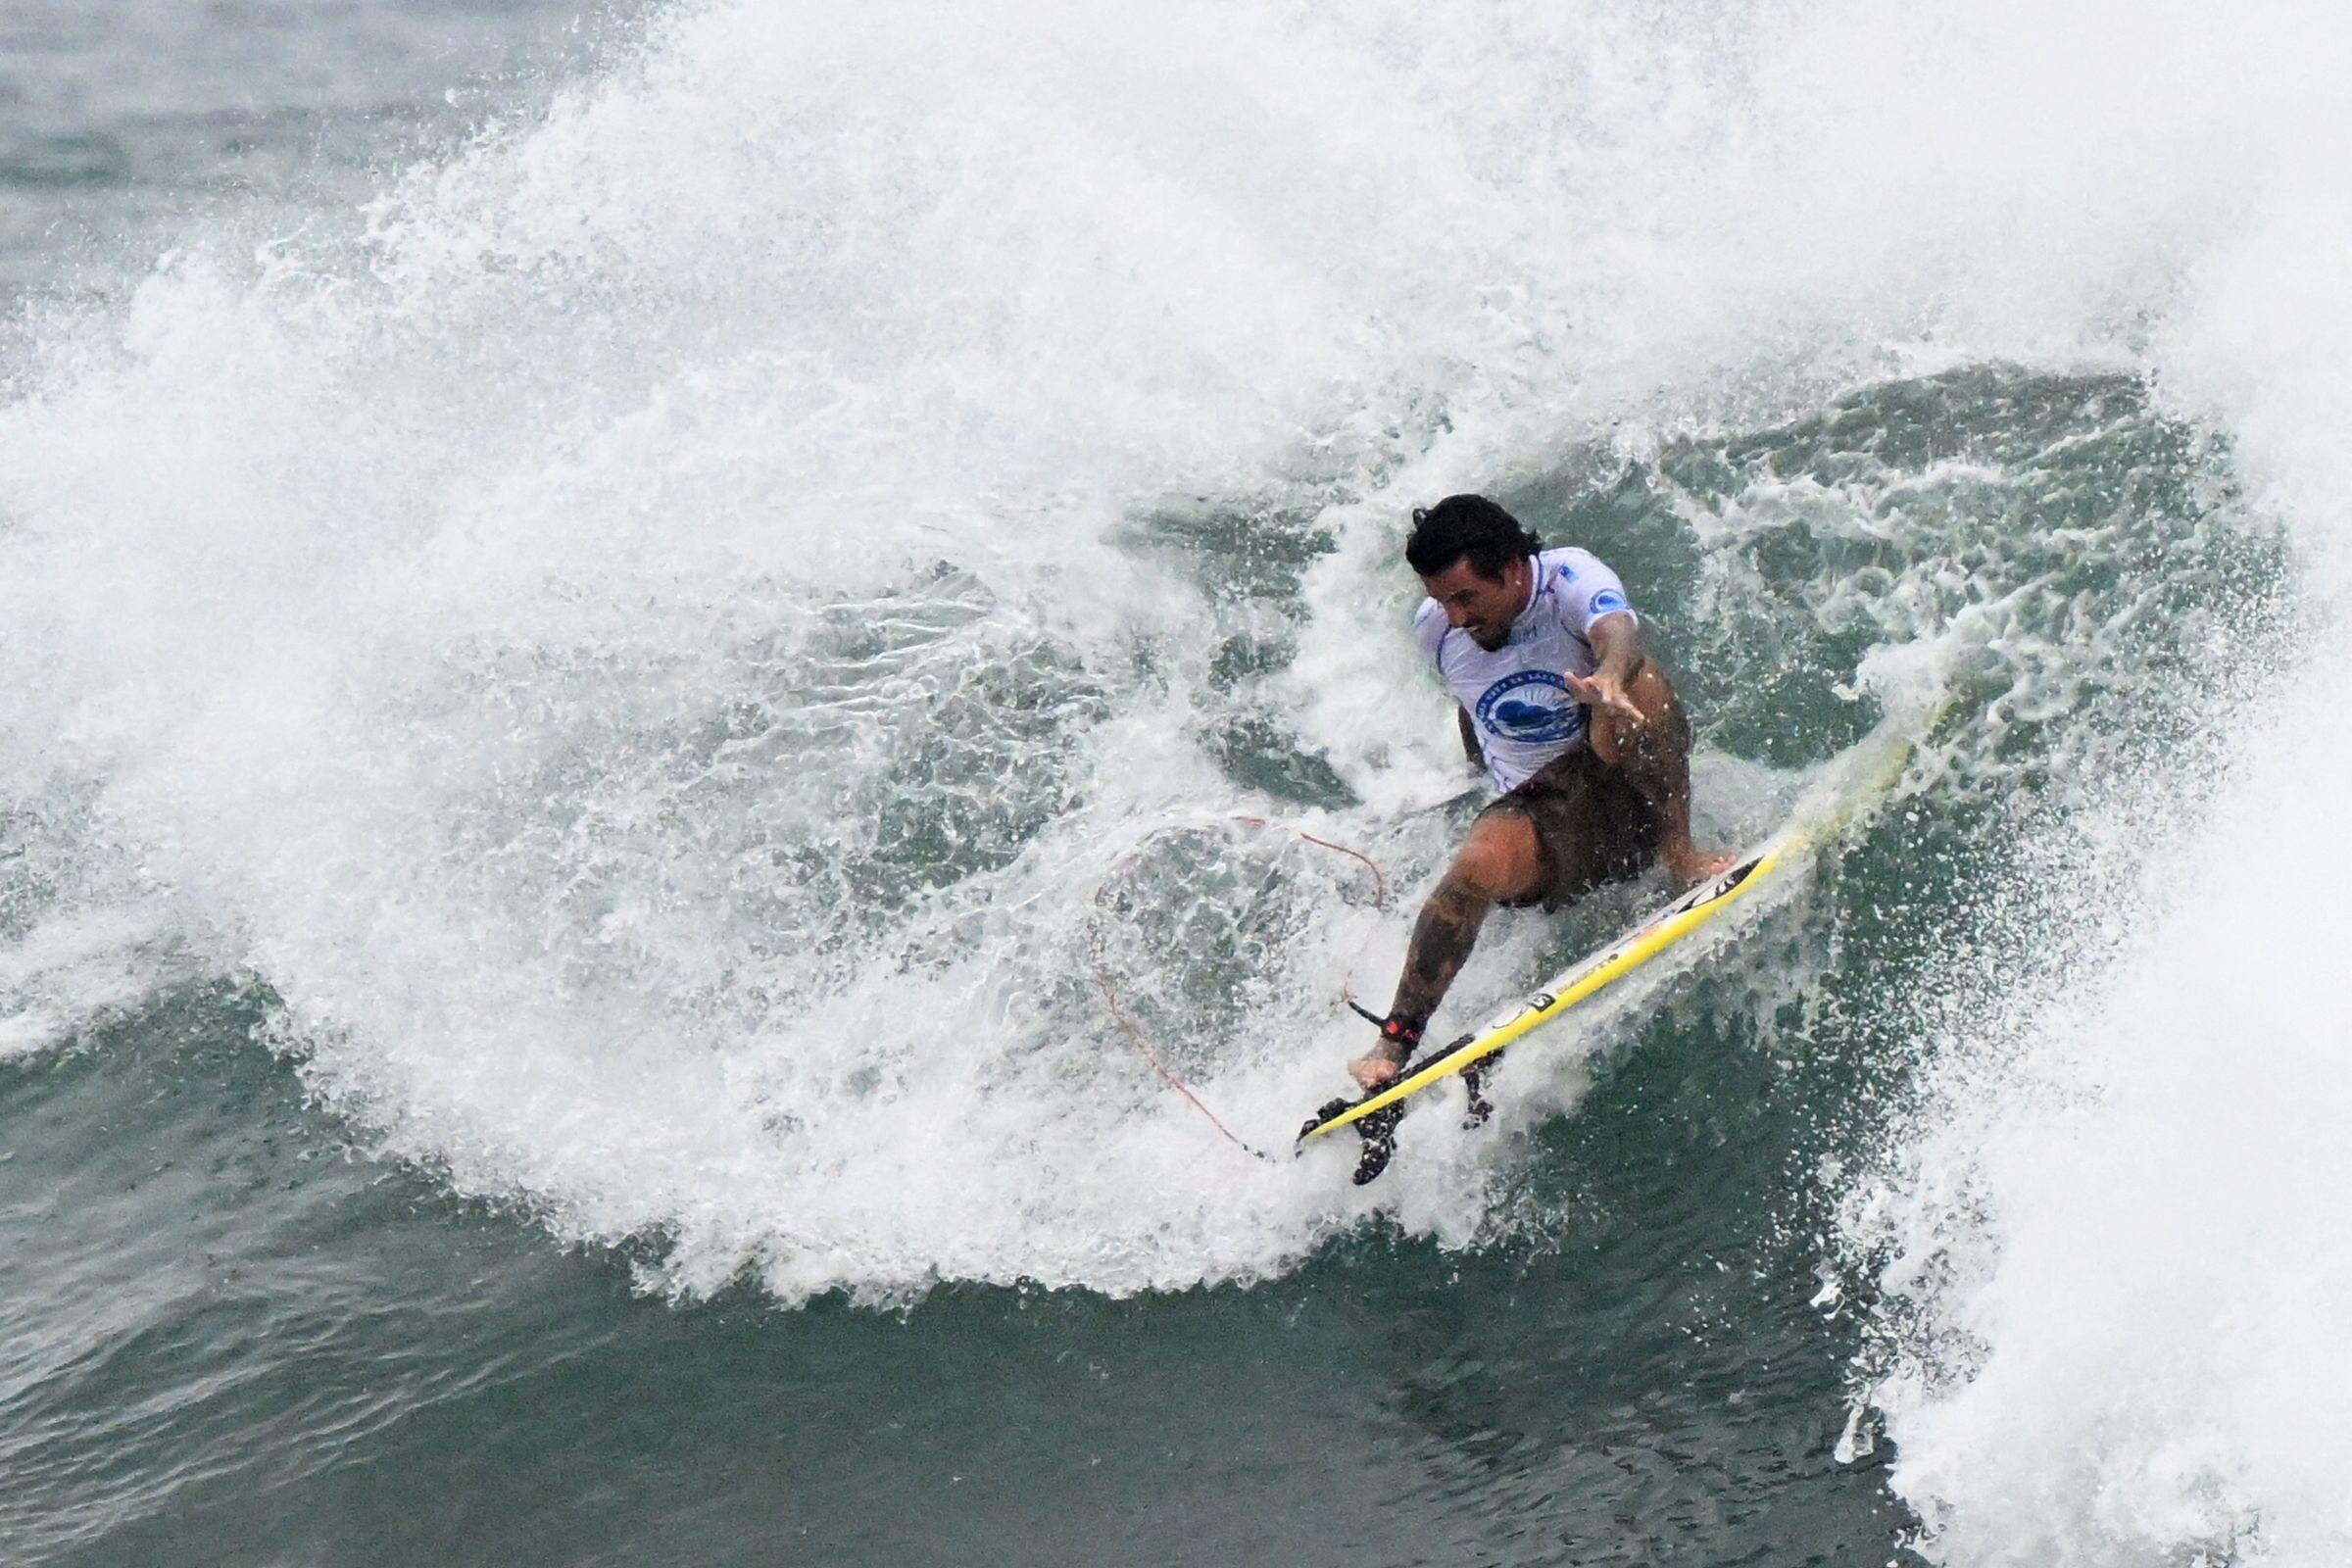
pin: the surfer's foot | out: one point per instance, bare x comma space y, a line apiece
1689, 865
1377, 1070
1399, 1037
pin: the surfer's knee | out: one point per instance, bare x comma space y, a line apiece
1607, 738
1653, 694
1499, 860
1662, 738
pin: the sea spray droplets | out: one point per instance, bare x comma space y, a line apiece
474, 645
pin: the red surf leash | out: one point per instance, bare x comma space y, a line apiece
1127, 1025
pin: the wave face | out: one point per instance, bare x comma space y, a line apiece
2101, 1238
680, 651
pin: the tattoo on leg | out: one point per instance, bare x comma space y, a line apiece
1441, 941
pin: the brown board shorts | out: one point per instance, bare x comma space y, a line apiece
1593, 827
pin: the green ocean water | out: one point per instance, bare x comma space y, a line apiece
245, 1346
592, 1055
235, 1339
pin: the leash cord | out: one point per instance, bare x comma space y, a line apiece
1128, 1027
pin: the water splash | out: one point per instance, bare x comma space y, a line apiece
650, 639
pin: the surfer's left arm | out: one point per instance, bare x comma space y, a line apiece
1617, 639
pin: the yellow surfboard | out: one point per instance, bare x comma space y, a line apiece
1870, 769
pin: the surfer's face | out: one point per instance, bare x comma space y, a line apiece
1483, 606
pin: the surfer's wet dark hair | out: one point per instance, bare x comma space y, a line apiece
1468, 528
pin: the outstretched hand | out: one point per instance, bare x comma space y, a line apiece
1602, 693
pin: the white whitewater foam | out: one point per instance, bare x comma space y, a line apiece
2113, 1235
641, 647
2122, 1219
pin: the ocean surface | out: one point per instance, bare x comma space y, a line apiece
639, 645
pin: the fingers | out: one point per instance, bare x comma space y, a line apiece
1600, 692
1610, 696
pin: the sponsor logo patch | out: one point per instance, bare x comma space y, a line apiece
1607, 600
1533, 705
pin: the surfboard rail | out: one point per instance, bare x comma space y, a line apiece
1646, 942
1880, 768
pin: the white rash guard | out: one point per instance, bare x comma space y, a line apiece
1515, 696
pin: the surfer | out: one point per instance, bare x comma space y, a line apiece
1571, 720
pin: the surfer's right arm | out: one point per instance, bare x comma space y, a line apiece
1470, 747
1429, 632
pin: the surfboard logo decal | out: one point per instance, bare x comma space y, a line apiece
1866, 785
1541, 1001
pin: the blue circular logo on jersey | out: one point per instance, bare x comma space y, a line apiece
1532, 706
